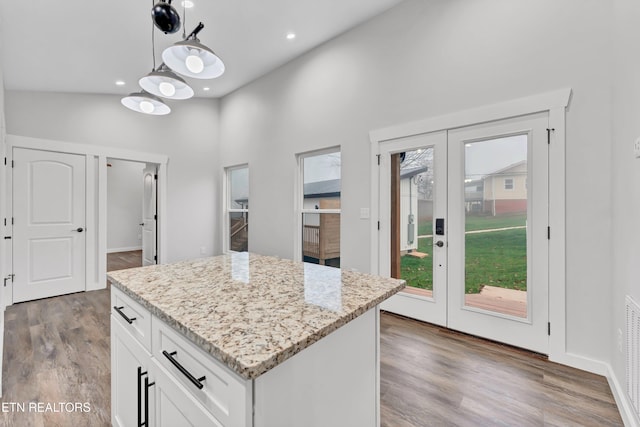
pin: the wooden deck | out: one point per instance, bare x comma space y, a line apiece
491, 298
501, 300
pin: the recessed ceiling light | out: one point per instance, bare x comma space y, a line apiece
119, 83
205, 88
187, 4
291, 36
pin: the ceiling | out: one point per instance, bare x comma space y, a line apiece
85, 46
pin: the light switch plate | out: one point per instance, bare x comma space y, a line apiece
636, 147
364, 213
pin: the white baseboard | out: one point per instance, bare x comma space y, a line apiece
131, 248
581, 362
625, 407
618, 388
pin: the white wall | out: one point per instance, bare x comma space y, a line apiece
423, 59
124, 205
626, 173
189, 136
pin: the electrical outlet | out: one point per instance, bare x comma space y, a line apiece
620, 340
203, 250
636, 147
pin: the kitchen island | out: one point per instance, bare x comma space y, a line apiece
246, 340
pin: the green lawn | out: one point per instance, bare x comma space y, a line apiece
496, 258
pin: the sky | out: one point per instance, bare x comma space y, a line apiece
485, 157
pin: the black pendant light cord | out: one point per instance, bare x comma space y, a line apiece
153, 41
184, 20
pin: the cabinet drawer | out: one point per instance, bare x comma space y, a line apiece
134, 317
222, 392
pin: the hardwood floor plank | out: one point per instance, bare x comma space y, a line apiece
122, 260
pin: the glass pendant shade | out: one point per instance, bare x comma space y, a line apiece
166, 84
146, 103
193, 59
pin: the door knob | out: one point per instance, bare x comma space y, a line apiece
79, 229
439, 243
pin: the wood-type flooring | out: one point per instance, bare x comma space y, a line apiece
432, 376
57, 351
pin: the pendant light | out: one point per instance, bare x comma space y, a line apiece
165, 83
165, 17
193, 59
144, 102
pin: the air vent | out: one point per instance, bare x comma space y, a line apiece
633, 353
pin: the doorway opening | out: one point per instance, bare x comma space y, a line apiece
131, 214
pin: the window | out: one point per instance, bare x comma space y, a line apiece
321, 188
237, 217
508, 183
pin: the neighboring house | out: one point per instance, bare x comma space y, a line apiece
501, 192
321, 190
321, 232
409, 208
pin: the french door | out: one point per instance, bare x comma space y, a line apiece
479, 260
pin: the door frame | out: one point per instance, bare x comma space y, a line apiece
555, 103
96, 209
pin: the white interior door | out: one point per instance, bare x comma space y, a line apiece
421, 186
498, 231
49, 224
149, 215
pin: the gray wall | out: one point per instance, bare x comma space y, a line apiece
189, 136
423, 59
626, 173
124, 205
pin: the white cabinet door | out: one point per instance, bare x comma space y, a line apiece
129, 368
175, 406
49, 224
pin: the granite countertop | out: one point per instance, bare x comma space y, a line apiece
252, 312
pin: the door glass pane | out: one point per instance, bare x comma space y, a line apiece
414, 227
496, 225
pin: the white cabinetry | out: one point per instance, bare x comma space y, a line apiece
157, 388
129, 366
175, 407
130, 362
160, 378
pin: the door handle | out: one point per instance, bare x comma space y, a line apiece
79, 229
439, 243
142, 223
